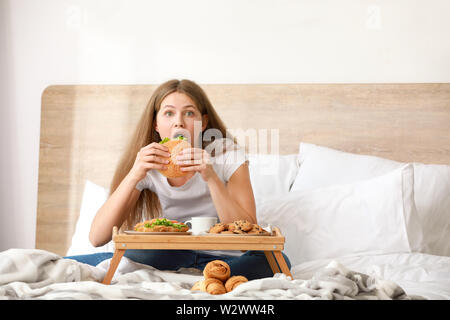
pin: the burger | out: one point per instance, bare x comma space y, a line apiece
161, 225
175, 146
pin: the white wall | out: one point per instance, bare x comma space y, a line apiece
48, 42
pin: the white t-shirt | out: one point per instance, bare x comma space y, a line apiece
193, 199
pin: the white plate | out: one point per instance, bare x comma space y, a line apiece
157, 233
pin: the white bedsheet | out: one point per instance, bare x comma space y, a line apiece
39, 274
417, 273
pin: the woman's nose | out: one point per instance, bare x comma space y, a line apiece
179, 122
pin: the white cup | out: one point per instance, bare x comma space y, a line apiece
201, 224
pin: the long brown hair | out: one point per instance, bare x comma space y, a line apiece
148, 205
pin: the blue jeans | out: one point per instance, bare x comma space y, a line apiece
252, 264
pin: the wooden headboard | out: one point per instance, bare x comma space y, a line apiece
84, 129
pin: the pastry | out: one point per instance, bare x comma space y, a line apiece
217, 269
234, 281
175, 146
212, 286
217, 279
197, 286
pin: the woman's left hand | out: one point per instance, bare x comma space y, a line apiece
196, 159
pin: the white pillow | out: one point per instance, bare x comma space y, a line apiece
272, 175
322, 167
367, 217
93, 198
432, 197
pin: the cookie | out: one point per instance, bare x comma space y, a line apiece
231, 226
244, 225
217, 228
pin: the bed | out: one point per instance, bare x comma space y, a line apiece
359, 184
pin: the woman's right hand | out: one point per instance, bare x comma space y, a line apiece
152, 156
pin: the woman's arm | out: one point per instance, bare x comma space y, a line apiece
234, 201
114, 211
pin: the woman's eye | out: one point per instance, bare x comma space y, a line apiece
188, 113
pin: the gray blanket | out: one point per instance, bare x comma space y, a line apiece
39, 274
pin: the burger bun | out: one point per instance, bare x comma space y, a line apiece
175, 146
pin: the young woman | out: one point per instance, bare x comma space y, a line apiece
217, 184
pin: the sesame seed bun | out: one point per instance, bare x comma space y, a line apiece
175, 146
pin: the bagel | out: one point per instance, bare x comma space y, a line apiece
175, 146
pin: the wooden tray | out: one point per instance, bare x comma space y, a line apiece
239, 234
200, 242
157, 233
271, 245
